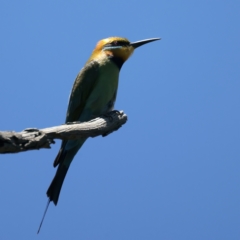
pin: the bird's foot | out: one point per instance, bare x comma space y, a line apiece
117, 112
109, 114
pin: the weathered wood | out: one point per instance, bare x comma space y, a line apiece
34, 139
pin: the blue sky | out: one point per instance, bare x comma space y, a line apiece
172, 171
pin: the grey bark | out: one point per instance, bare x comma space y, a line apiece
35, 139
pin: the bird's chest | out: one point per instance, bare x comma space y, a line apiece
103, 96
108, 78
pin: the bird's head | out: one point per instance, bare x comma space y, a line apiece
117, 48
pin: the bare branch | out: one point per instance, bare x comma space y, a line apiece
34, 139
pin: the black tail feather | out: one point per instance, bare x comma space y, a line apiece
63, 160
43, 216
56, 184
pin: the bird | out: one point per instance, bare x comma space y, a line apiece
93, 94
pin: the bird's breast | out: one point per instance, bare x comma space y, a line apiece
103, 96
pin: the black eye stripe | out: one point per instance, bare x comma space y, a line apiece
119, 43
116, 44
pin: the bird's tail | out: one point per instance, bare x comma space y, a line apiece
64, 159
54, 189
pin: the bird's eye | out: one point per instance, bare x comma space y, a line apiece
115, 43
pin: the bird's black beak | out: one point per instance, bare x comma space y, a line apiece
140, 43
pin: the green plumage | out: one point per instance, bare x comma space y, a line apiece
93, 94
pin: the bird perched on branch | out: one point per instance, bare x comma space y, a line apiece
93, 94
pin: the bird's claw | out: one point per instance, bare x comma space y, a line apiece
117, 112
109, 114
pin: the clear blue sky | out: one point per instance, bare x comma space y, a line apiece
173, 171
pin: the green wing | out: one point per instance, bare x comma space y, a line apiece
82, 88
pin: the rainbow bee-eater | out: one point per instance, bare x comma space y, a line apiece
93, 94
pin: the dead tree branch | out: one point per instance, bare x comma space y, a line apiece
34, 139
